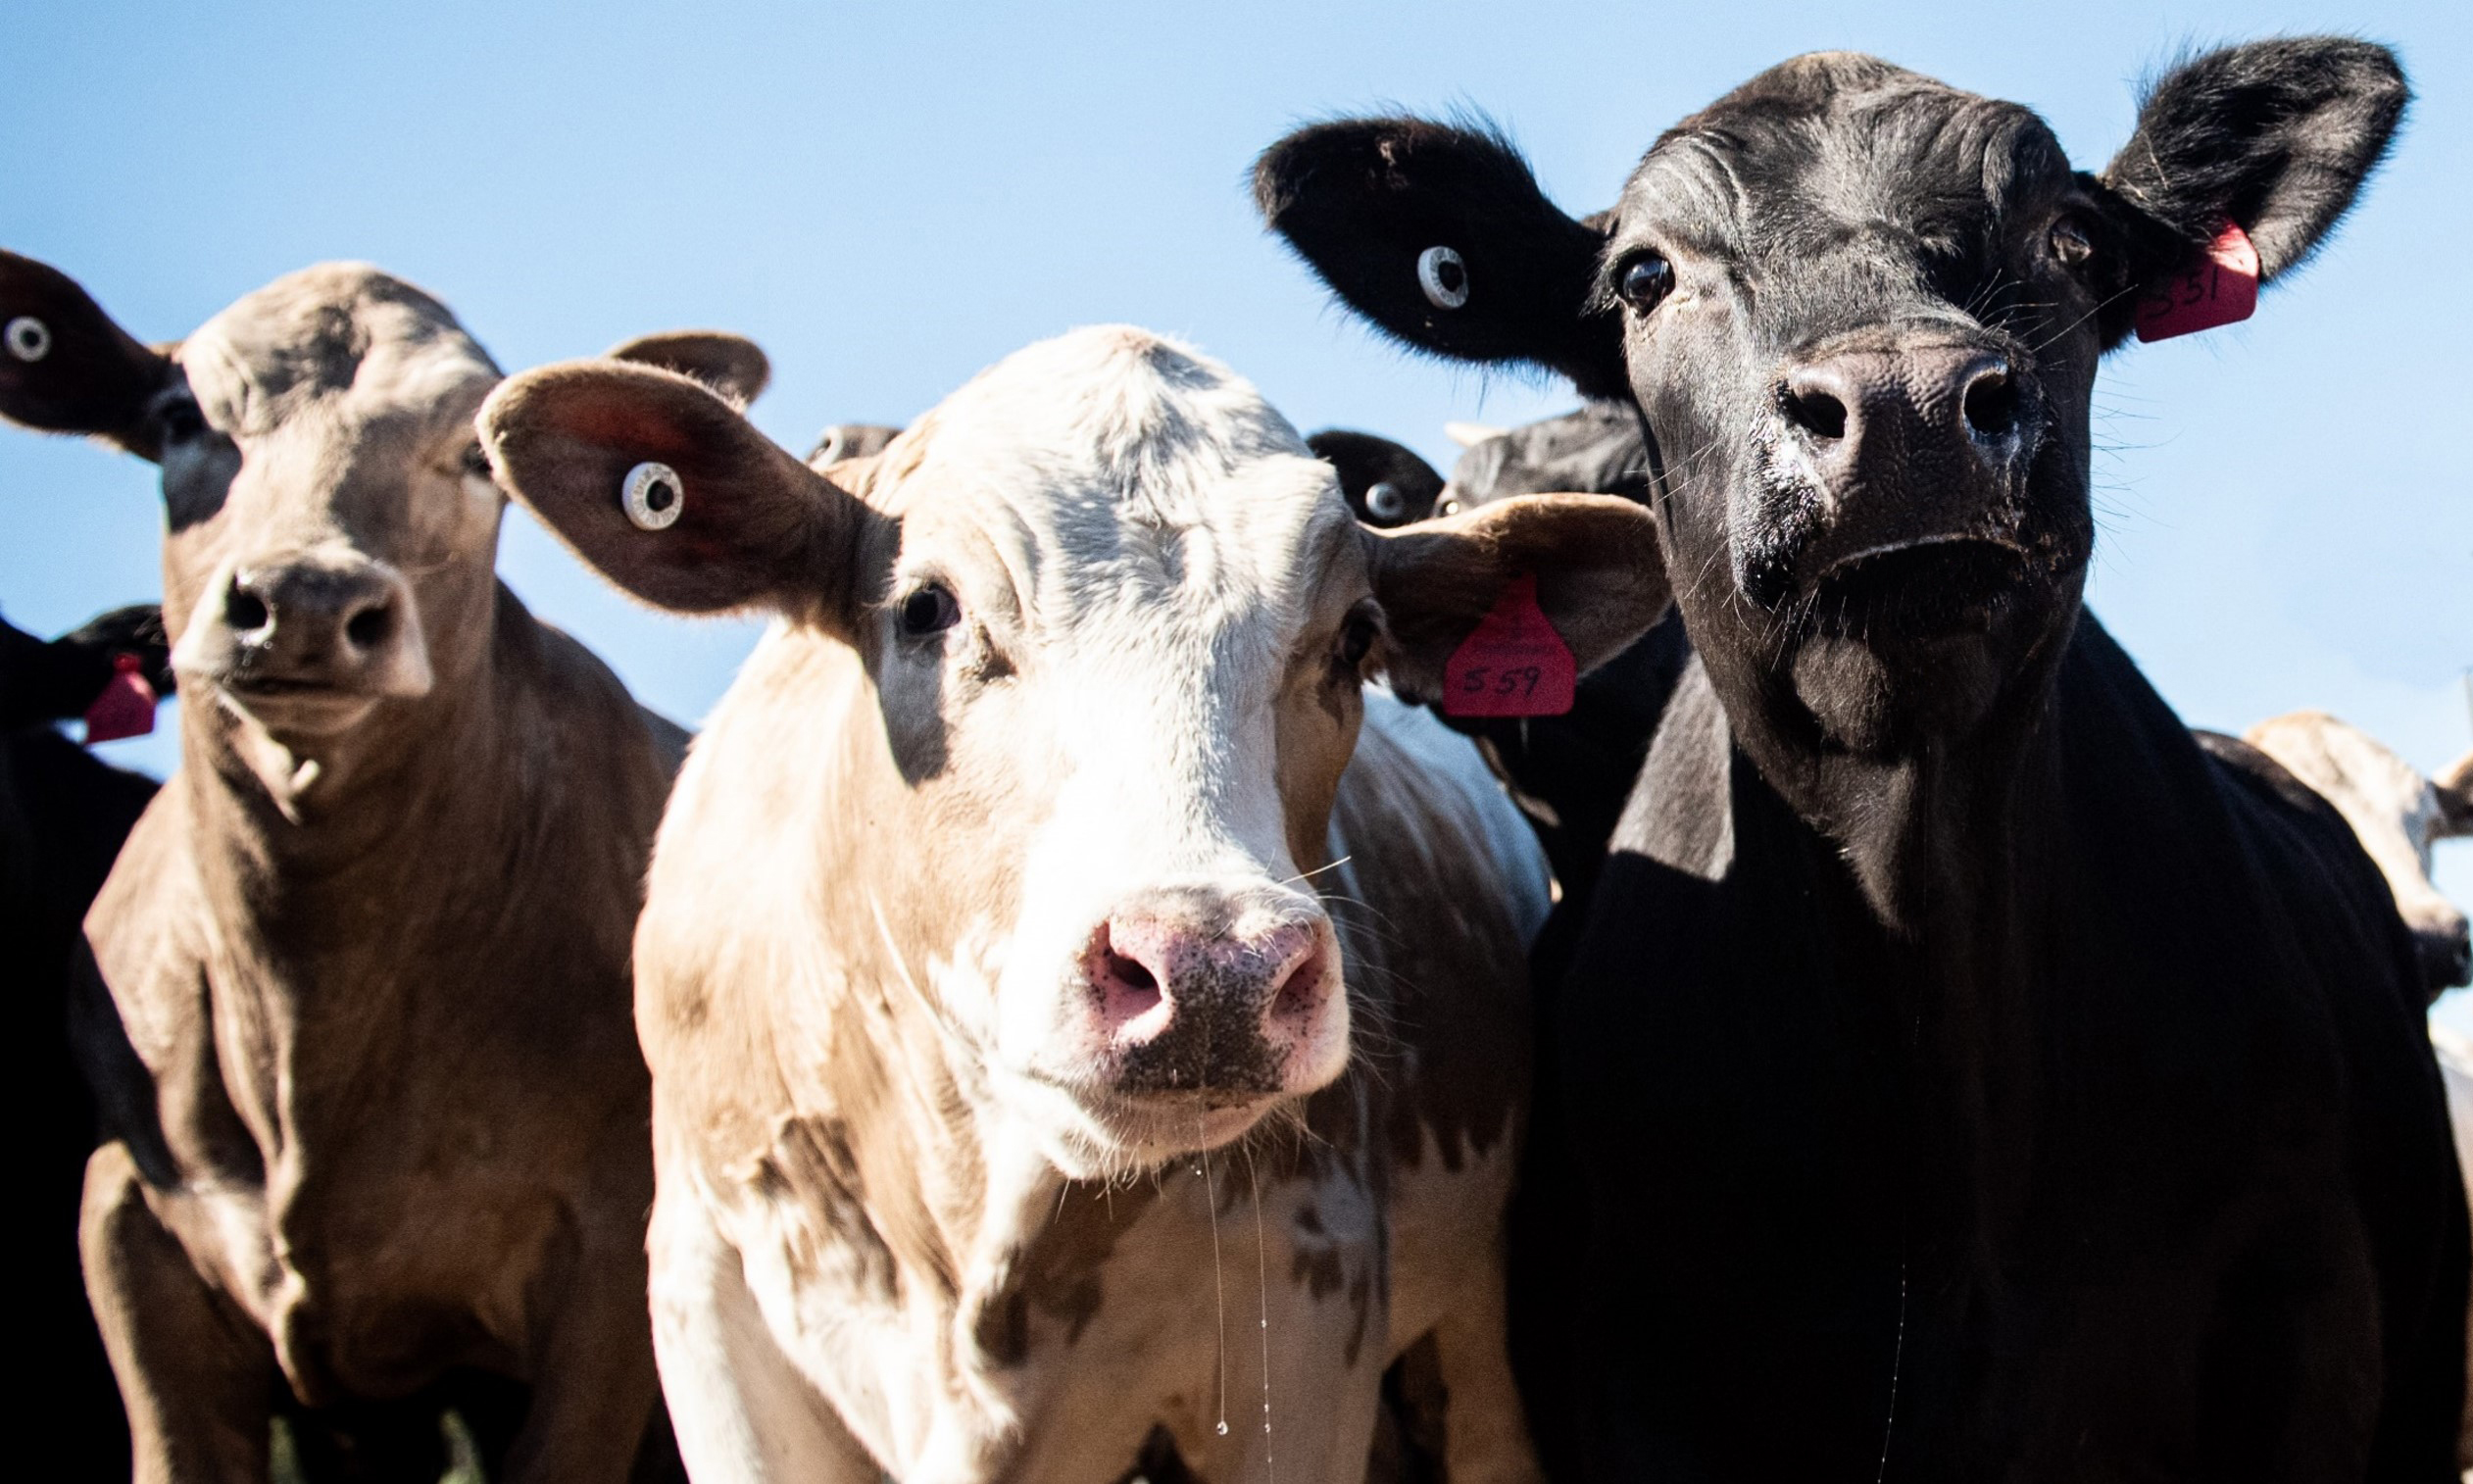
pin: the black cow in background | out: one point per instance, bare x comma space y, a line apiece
1965, 1072
62, 815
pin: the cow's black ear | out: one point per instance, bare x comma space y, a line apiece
2276, 135
65, 367
732, 365
1440, 236
1385, 483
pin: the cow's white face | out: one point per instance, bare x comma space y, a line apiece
1051, 737
1127, 616
2396, 813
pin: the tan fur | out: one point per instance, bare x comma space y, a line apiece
376, 978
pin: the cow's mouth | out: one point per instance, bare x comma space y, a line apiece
1934, 587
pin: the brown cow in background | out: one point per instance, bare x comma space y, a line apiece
368, 1051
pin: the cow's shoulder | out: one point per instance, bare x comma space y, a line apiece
1438, 890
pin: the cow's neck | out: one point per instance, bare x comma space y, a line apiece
1941, 849
356, 874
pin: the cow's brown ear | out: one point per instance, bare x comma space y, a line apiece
2455, 799
65, 367
663, 487
1601, 579
732, 365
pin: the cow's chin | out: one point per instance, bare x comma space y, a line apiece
1096, 1134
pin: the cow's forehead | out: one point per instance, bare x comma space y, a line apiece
343, 336
1834, 139
1113, 470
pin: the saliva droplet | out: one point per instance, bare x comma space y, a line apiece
1223, 1428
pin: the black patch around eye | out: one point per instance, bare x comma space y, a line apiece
181, 421
931, 610
1357, 638
1644, 283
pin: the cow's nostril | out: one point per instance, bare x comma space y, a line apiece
1991, 403
244, 612
1296, 990
368, 628
1815, 412
1130, 972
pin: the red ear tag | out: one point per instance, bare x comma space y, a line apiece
1512, 663
2219, 287
127, 706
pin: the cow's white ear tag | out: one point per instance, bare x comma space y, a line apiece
1444, 275
28, 340
654, 495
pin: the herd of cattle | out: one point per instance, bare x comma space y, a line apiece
1128, 983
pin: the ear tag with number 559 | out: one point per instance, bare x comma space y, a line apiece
2219, 287
1512, 663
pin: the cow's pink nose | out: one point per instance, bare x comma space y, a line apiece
1193, 997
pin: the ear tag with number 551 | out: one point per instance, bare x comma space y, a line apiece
1512, 663
2219, 287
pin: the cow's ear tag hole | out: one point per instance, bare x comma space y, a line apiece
2220, 286
1512, 663
1444, 275
28, 340
127, 706
654, 495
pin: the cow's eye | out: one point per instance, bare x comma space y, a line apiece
475, 462
1644, 281
1357, 636
931, 610
181, 421
2071, 242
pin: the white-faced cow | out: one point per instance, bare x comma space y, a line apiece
1062, 1051
2397, 814
378, 1113
1965, 1072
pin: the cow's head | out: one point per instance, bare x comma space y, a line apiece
1861, 312
330, 525
1599, 449
2397, 814
1053, 727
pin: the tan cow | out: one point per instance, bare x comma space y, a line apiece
1062, 1053
383, 1134
2398, 814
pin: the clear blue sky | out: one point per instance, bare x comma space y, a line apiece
890, 197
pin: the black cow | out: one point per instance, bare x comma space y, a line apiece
62, 815
1965, 1072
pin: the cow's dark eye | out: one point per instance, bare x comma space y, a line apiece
1358, 635
2071, 242
475, 462
929, 611
181, 421
1644, 281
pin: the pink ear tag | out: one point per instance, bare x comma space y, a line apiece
127, 706
2219, 287
1512, 663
